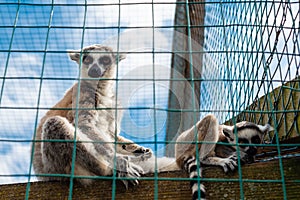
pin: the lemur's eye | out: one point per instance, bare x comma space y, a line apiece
87, 60
255, 140
105, 60
243, 141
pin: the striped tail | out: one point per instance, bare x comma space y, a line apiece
190, 165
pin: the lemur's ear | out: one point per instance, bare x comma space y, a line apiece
227, 128
266, 128
74, 55
120, 56
228, 132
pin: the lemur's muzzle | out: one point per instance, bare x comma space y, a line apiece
95, 71
248, 156
252, 151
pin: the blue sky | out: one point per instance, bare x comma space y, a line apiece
40, 52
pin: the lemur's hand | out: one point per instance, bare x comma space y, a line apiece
128, 169
143, 153
229, 163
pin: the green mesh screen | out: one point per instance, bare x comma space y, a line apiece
252, 49
250, 68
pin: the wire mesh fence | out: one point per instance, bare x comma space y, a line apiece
185, 59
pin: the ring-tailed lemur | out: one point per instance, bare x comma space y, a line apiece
87, 118
209, 132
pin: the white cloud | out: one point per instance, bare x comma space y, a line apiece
20, 93
131, 15
24, 65
15, 160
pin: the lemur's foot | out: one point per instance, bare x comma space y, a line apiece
129, 170
138, 151
143, 153
229, 163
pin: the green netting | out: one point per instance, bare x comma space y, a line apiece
249, 70
253, 50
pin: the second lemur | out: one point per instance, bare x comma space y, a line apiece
207, 132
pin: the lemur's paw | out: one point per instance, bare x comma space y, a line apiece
143, 153
129, 170
138, 151
229, 163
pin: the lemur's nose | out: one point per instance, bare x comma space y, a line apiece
251, 151
95, 71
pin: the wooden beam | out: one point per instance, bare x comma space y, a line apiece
187, 67
261, 180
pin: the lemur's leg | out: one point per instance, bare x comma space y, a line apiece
90, 159
128, 147
205, 132
58, 154
208, 129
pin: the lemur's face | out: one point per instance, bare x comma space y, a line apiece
249, 135
97, 61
